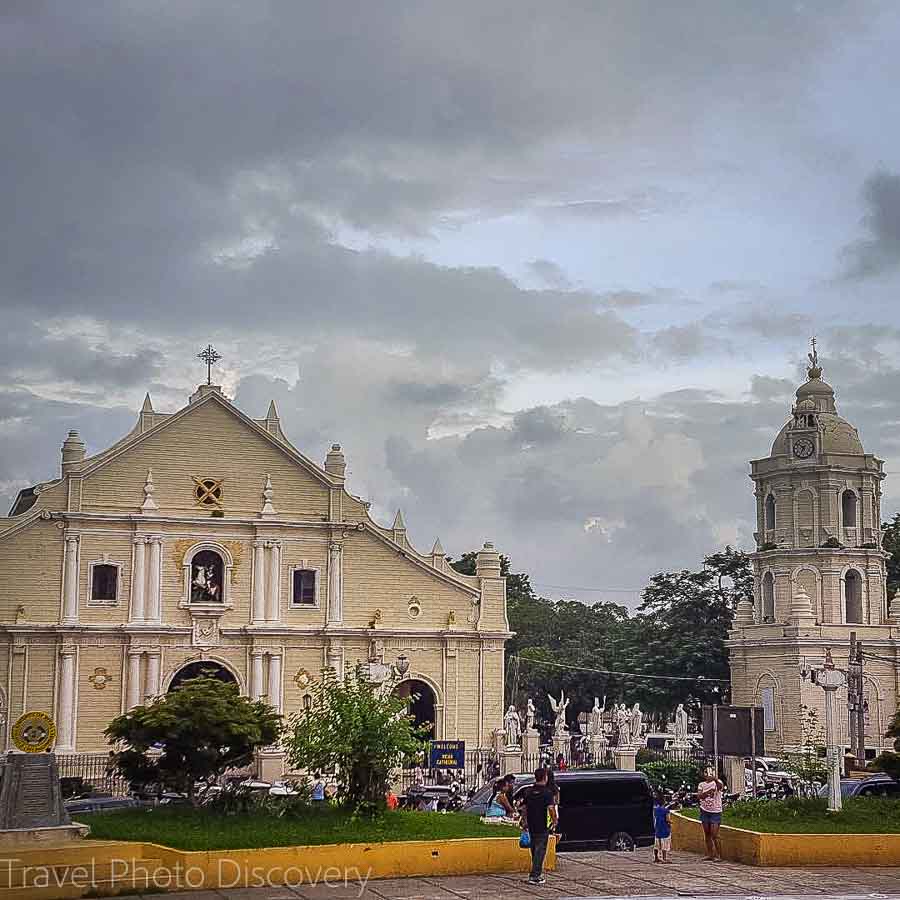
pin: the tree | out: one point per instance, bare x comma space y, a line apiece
203, 728
358, 729
890, 762
891, 543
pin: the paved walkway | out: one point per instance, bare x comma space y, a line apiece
602, 874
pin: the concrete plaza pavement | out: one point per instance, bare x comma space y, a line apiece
602, 874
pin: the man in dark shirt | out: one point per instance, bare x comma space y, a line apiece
538, 816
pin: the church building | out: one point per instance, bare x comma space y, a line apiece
819, 574
204, 540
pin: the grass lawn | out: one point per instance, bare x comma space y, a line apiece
875, 815
188, 829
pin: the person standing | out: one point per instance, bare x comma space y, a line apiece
709, 793
318, 790
662, 830
539, 809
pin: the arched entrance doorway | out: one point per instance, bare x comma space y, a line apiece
202, 667
421, 702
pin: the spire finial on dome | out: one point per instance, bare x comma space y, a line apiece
814, 370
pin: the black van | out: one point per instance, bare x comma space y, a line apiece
596, 806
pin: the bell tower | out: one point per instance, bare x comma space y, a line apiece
819, 568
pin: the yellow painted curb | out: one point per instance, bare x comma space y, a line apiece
120, 867
757, 848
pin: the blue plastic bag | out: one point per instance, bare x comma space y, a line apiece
525, 840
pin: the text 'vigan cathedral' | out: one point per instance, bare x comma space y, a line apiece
819, 573
205, 540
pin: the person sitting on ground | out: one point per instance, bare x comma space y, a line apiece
500, 805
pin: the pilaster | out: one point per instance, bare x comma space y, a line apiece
70, 579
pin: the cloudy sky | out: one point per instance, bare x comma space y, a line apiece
548, 271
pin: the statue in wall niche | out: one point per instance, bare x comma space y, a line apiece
512, 725
529, 715
559, 708
623, 726
681, 724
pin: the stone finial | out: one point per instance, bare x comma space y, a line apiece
147, 406
72, 452
801, 611
894, 609
149, 504
487, 562
743, 614
399, 524
437, 550
335, 464
268, 509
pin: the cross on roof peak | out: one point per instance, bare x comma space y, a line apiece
209, 355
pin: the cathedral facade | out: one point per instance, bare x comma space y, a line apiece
203, 540
819, 574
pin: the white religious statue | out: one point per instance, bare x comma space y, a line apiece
512, 725
559, 708
623, 724
681, 724
595, 718
529, 715
637, 722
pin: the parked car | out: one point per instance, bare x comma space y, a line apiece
870, 786
101, 804
596, 807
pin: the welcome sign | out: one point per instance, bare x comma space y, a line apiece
447, 755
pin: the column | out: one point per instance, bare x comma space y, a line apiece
65, 710
275, 680
153, 599
256, 674
273, 582
257, 610
335, 613
70, 580
133, 696
151, 681
137, 580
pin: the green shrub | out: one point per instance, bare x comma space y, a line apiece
667, 775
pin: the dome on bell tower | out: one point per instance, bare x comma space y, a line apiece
815, 409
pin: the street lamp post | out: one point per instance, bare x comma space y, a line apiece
829, 679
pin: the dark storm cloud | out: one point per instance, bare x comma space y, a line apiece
190, 170
880, 252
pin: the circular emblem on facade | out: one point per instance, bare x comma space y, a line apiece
34, 732
100, 678
803, 448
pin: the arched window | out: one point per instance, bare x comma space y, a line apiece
207, 577
848, 509
768, 598
770, 512
853, 607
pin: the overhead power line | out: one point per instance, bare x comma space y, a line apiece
544, 662
570, 587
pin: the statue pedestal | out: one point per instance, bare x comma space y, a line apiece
531, 745
561, 744
511, 761
734, 774
270, 765
597, 746
625, 758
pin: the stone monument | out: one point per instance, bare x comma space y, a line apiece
681, 727
31, 802
596, 739
531, 740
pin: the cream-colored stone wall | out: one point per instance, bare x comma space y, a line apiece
454, 644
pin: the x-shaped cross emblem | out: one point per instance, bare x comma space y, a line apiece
209, 490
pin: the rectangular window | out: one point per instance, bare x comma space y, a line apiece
767, 696
104, 584
304, 591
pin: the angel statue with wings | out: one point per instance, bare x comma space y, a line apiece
559, 709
